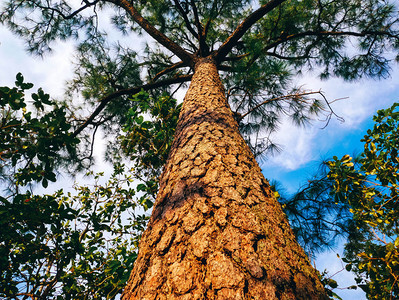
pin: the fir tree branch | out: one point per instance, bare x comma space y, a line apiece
295, 96
131, 91
241, 29
71, 15
185, 18
171, 68
203, 47
155, 33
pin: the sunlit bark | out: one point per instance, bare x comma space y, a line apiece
217, 231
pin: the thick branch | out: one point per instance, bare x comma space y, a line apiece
203, 47
185, 18
328, 33
241, 29
304, 56
155, 33
313, 45
125, 92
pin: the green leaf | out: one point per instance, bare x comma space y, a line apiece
348, 267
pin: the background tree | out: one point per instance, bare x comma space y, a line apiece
371, 190
355, 199
32, 138
80, 245
265, 42
316, 218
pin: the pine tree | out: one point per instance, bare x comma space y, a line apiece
216, 231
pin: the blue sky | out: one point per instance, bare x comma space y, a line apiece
325, 144
303, 148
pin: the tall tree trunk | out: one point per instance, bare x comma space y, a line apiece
217, 231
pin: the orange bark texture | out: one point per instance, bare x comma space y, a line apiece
217, 231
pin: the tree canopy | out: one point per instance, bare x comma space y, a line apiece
259, 47
370, 187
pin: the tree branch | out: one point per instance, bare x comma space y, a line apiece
328, 33
186, 57
185, 18
241, 29
203, 47
319, 35
224, 67
304, 56
70, 16
211, 16
104, 101
276, 99
175, 66
236, 58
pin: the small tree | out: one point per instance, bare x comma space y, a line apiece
372, 191
62, 245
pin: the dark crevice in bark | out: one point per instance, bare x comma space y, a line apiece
258, 238
246, 287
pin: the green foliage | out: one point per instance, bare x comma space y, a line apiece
102, 69
317, 219
64, 246
30, 142
349, 39
329, 284
79, 246
50, 26
304, 27
167, 17
261, 96
356, 199
372, 191
149, 130
146, 140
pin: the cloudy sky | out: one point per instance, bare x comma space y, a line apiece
303, 148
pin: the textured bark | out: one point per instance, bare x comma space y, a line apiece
216, 231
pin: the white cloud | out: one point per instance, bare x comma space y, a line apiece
364, 98
297, 145
49, 72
